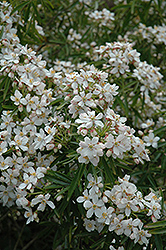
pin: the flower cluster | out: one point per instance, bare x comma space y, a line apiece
156, 34
40, 127
103, 18
118, 56
64, 115
119, 208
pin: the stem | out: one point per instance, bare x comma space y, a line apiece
15, 247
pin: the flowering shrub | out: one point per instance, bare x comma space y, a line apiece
95, 111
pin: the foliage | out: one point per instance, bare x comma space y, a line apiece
82, 93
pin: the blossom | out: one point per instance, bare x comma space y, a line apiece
20, 142
127, 206
3, 147
89, 225
140, 236
11, 176
116, 225
39, 141
27, 182
90, 150
30, 215
107, 215
81, 199
7, 121
7, 195
43, 200
93, 207
17, 97
89, 120
118, 145
151, 140
130, 224
4, 163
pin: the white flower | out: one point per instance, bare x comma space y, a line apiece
154, 210
94, 183
140, 236
51, 132
89, 225
27, 182
17, 97
151, 140
106, 92
30, 215
65, 124
118, 145
39, 141
119, 248
148, 123
7, 123
127, 206
21, 200
20, 142
129, 224
10, 176
4, 163
81, 199
7, 194
31, 103
43, 200
93, 207
90, 150
106, 216
89, 120
116, 225
3, 147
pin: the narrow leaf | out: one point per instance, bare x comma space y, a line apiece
156, 224
20, 6
7, 85
76, 180
158, 242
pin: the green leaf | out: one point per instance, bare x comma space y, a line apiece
3, 82
7, 86
48, 4
132, 7
8, 107
20, 6
76, 180
27, 13
108, 169
159, 130
158, 242
62, 192
84, 234
156, 224
57, 41
161, 144
1, 32
56, 101
118, 164
158, 231
62, 105
53, 186
121, 6
123, 105
97, 243
151, 180
58, 178
61, 176
36, 12
137, 113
